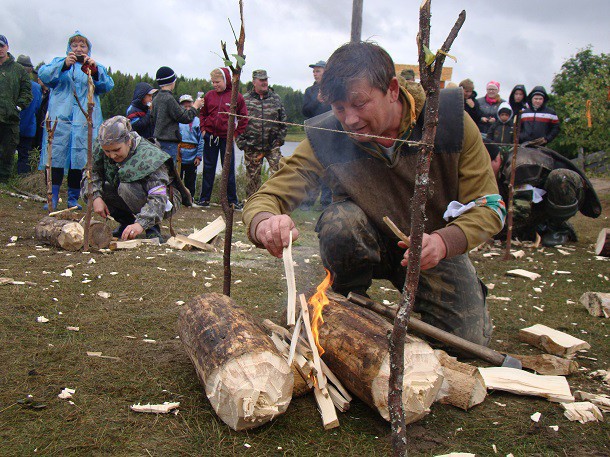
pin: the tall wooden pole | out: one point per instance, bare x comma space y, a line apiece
356, 21
89, 211
511, 188
224, 182
430, 75
50, 135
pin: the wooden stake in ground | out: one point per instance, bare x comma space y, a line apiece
430, 75
89, 117
224, 182
511, 188
245, 377
50, 135
356, 33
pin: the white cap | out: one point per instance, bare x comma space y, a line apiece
185, 98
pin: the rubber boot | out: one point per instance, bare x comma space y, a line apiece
73, 196
54, 199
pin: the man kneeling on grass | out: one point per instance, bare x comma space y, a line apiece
133, 181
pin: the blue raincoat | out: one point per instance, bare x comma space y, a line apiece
70, 140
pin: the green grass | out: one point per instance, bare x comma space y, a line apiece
40, 359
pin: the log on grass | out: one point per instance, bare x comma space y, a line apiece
463, 386
355, 341
597, 303
602, 247
68, 235
100, 235
547, 364
246, 379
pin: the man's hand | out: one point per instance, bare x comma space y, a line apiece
197, 161
274, 233
198, 104
433, 251
131, 231
99, 207
470, 102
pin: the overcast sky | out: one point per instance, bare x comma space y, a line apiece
513, 42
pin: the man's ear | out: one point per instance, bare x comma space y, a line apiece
394, 89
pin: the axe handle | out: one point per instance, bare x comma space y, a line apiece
481, 352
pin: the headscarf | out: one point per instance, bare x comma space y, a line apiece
117, 129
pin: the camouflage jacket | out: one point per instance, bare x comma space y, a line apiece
259, 134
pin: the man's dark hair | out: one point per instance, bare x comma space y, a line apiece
352, 61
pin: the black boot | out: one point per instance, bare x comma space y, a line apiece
557, 234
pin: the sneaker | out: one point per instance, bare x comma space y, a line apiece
203, 203
238, 206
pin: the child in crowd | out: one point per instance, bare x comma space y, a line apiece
518, 99
214, 121
138, 112
190, 148
167, 113
502, 131
471, 104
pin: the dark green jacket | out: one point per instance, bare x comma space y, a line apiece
15, 90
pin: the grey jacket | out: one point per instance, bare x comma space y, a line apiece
167, 114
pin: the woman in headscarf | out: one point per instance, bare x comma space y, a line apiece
133, 181
65, 76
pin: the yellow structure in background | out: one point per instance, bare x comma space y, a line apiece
445, 74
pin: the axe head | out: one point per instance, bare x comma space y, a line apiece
511, 362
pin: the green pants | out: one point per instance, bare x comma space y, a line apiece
9, 139
450, 296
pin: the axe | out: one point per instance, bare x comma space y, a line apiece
481, 352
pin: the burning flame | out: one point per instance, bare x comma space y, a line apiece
318, 301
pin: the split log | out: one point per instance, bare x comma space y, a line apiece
582, 411
357, 351
602, 247
100, 235
601, 401
520, 273
68, 235
194, 243
174, 243
597, 303
553, 388
301, 386
209, 231
552, 341
246, 379
463, 385
132, 244
548, 364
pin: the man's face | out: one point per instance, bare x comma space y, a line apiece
3, 52
537, 101
117, 151
467, 93
79, 47
367, 110
219, 84
518, 95
317, 74
261, 86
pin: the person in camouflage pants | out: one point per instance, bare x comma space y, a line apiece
450, 296
549, 190
262, 140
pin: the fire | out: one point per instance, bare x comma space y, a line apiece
318, 301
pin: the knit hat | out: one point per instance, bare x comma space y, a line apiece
24, 61
117, 129
319, 63
165, 76
185, 98
537, 91
260, 74
3, 40
496, 84
467, 84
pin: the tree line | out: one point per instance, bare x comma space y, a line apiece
118, 99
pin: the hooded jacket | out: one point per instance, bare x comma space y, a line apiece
538, 123
138, 113
15, 90
502, 132
215, 123
518, 106
70, 140
27, 122
475, 111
